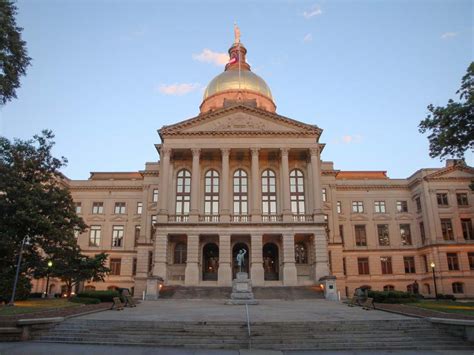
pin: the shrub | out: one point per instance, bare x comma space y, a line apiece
446, 297
103, 296
84, 300
392, 297
23, 287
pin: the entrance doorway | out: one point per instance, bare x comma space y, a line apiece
210, 262
271, 265
235, 267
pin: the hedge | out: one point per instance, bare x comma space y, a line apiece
84, 300
103, 296
392, 297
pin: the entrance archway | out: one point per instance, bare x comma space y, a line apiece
235, 267
210, 262
271, 264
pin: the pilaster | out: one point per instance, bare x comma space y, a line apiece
256, 204
225, 209
256, 262
161, 256
285, 173
163, 181
191, 273
321, 266
316, 173
224, 273
289, 268
195, 182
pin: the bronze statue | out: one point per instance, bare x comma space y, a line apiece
241, 258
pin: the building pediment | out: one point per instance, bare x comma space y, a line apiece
359, 218
454, 172
382, 217
404, 217
118, 219
239, 120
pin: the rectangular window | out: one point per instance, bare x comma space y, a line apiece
137, 233
462, 199
361, 236
379, 206
363, 264
470, 256
418, 204
94, 238
344, 271
150, 261
339, 207
155, 195
382, 232
341, 233
115, 265
409, 262
466, 224
458, 287
117, 236
425, 263
453, 261
154, 219
386, 263
77, 232
447, 229
119, 208
330, 261
139, 207
78, 207
422, 233
402, 206
134, 267
405, 234
97, 207
442, 199
324, 195
357, 207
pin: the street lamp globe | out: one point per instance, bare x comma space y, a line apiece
433, 265
50, 263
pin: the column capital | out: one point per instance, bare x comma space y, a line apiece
254, 151
225, 151
196, 151
284, 151
165, 151
314, 151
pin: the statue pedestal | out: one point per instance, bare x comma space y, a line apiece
153, 285
242, 290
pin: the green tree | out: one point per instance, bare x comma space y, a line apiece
72, 267
34, 203
451, 127
13, 53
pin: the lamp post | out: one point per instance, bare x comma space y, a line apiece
434, 279
23, 242
50, 264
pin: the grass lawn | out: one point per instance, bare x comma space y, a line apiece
447, 306
35, 305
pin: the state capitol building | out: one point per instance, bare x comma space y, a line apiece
241, 176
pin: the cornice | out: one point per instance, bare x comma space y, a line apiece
371, 187
115, 188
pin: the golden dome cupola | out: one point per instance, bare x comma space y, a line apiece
237, 84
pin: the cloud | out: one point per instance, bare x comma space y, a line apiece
348, 139
448, 35
209, 56
308, 38
178, 89
313, 11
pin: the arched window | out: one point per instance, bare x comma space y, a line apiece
269, 201
211, 192
301, 253
180, 253
297, 191
458, 287
240, 192
389, 288
183, 192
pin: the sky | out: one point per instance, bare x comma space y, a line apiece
106, 75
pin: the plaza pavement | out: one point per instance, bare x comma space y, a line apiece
216, 310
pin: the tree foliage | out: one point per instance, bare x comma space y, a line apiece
35, 203
451, 128
13, 53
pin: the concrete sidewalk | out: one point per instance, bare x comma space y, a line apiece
32, 348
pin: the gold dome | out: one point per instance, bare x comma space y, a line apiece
229, 80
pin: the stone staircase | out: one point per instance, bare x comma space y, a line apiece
409, 334
286, 293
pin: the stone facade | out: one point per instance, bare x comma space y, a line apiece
242, 176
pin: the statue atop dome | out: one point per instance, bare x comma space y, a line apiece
236, 33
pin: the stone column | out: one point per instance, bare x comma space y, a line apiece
290, 277
321, 266
224, 273
256, 198
316, 173
191, 273
256, 261
285, 174
225, 209
164, 175
195, 182
161, 256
